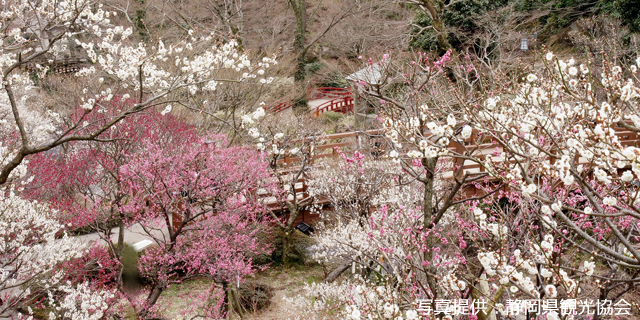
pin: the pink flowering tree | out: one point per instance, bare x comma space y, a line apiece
86, 184
197, 200
114, 71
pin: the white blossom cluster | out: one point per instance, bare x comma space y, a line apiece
274, 143
250, 123
167, 67
566, 116
30, 249
357, 299
81, 302
40, 125
382, 239
37, 33
529, 269
555, 137
434, 142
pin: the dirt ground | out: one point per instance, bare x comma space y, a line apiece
286, 283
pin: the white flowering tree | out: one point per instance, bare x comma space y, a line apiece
288, 146
31, 249
565, 138
431, 141
377, 232
559, 143
147, 74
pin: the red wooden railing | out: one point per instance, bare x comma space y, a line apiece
279, 106
328, 92
373, 142
341, 101
343, 105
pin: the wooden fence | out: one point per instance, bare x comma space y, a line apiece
373, 143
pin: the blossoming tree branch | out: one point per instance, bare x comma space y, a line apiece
551, 155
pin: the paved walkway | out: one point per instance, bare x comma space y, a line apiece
132, 235
314, 104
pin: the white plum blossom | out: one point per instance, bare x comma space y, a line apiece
610, 201
552, 315
568, 180
627, 176
166, 110
466, 132
82, 302
451, 120
259, 113
529, 190
589, 267
411, 315
415, 154
573, 71
254, 133
490, 103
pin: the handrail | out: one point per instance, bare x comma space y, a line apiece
314, 94
343, 104
329, 92
280, 106
370, 142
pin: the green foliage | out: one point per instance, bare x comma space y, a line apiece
334, 79
130, 274
563, 12
298, 253
332, 116
460, 16
314, 67
139, 19
425, 39
629, 12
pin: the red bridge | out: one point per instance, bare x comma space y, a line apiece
321, 100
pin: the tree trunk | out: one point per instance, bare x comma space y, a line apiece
287, 237
337, 272
152, 298
442, 37
429, 164
435, 9
300, 10
119, 248
229, 301
482, 291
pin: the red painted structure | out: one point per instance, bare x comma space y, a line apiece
373, 142
341, 100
